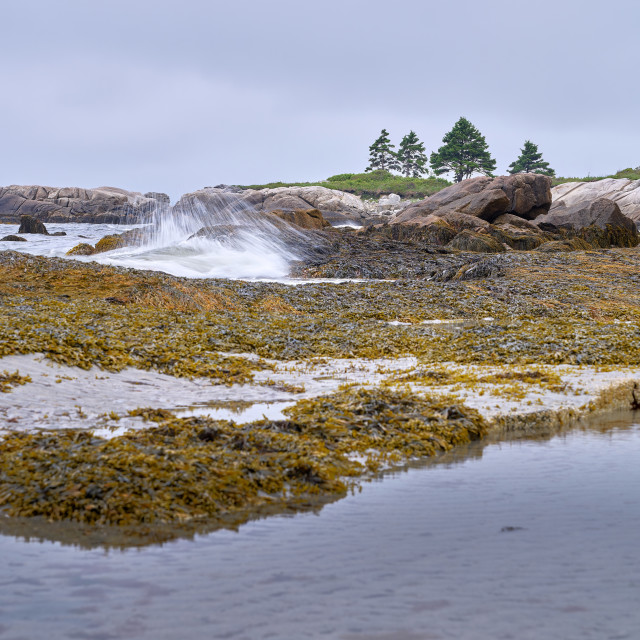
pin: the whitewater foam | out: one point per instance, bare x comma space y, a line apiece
210, 235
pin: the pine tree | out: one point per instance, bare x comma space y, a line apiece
381, 154
411, 156
530, 161
464, 152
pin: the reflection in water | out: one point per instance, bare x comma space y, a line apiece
527, 540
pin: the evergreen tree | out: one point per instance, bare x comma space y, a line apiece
381, 154
530, 161
464, 152
411, 156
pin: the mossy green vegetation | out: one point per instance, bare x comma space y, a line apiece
371, 184
183, 469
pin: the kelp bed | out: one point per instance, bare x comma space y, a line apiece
185, 470
519, 309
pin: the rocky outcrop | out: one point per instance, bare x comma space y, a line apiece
12, 238
512, 213
624, 192
525, 195
73, 204
336, 206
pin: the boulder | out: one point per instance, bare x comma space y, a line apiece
12, 238
303, 218
526, 195
389, 202
74, 204
29, 224
624, 192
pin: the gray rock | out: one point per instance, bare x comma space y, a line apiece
73, 204
625, 193
160, 197
12, 238
597, 213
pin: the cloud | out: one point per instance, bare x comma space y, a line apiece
173, 96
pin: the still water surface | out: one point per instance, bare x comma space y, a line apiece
519, 540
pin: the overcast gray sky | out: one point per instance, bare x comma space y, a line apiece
176, 95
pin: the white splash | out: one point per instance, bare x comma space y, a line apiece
214, 235
211, 235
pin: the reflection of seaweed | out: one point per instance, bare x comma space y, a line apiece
635, 403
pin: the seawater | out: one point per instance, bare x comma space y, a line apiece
522, 540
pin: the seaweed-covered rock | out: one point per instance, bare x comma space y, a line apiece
28, 224
480, 242
13, 238
573, 244
82, 249
109, 243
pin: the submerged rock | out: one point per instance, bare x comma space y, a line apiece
12, 238
28, 224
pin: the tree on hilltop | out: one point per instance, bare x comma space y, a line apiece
463, 153
530, 161
381, 154
411, 156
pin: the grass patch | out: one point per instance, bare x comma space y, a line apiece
630, 174
370, 185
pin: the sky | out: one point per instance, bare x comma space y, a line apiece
174, 96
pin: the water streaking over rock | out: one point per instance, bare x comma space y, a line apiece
209, 234
214, 235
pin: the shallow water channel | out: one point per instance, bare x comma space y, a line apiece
525, 539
